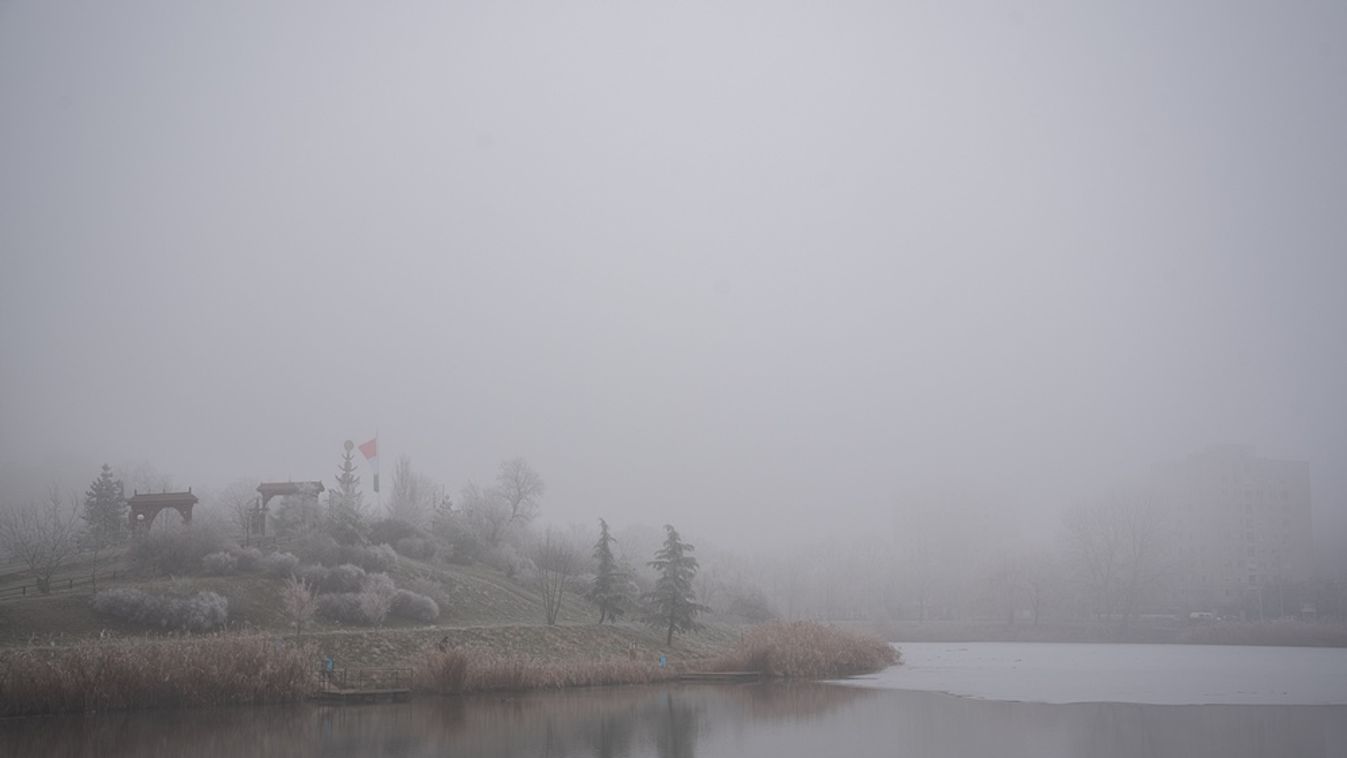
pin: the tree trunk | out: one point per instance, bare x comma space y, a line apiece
668, 640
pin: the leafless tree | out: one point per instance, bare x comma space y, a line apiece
555, 561
298, 602
413, 497
520, 487
236, 503
1117, 551
43, 536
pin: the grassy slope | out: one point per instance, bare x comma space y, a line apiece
480, 608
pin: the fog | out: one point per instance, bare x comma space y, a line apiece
771, 272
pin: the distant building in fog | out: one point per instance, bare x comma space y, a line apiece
1240, 527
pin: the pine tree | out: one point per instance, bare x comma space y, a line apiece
105, 510
609, 583
672, 603
346, 508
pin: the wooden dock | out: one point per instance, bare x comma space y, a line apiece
720, 676
365, 685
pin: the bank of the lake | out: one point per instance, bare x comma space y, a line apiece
255, 669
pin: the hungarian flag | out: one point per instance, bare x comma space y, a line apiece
371, 452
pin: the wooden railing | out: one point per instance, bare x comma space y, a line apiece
59, 584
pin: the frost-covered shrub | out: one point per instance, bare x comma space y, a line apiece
279, 564
375, 606
200, 612
314, 575
246, 558
341, 606
388, 531
376, 558
318, 548
343, 578
219, 564
410, 605
369, 605
173, 552
416, 548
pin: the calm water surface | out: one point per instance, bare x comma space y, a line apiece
758, 720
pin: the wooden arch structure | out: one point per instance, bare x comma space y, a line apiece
144, 508
257, 523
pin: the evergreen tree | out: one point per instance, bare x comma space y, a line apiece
345, 504
608, 591
673, 604
346, 508
105, 510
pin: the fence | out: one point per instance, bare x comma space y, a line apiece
59, 584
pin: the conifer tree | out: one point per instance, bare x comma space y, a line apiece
673, 604
609, 583
105, 510
346, 507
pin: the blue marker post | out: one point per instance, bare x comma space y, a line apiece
663, 660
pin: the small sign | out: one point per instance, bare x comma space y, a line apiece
329, 663
663, 660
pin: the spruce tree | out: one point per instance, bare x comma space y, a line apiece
105, 510
346, 509
609, 583
673, 603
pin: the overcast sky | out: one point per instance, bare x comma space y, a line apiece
712, 263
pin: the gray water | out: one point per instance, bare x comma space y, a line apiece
886, 718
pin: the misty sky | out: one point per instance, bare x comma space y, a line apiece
704, 262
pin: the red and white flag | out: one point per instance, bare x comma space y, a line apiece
371, 452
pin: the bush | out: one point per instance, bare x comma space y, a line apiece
376, 558
342, 606
804, 649
343, 578
165, 552
314, 575
279, 565
246, 558
388, 531
198, 613
318, 548
219, 564
415, 548
410, 605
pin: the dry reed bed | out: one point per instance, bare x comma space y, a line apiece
466, 671
212, 670
806, 650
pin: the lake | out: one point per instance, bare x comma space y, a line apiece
1012, 700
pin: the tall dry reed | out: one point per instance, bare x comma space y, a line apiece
806, 650
466, 671
145, 674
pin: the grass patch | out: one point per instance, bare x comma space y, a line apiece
202, 671
806, 650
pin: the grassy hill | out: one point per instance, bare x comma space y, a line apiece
479, 608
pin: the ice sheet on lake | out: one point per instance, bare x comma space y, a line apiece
1158, 674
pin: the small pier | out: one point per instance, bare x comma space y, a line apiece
367, 685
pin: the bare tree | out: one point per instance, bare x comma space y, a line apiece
1117, 551
555, 561
237, 502
43, 536
413, 496
298, 602
485, 513
519, 486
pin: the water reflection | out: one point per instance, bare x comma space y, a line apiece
686, 721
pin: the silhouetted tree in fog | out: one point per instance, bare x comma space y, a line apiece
672, 605
609, 589
104, 511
